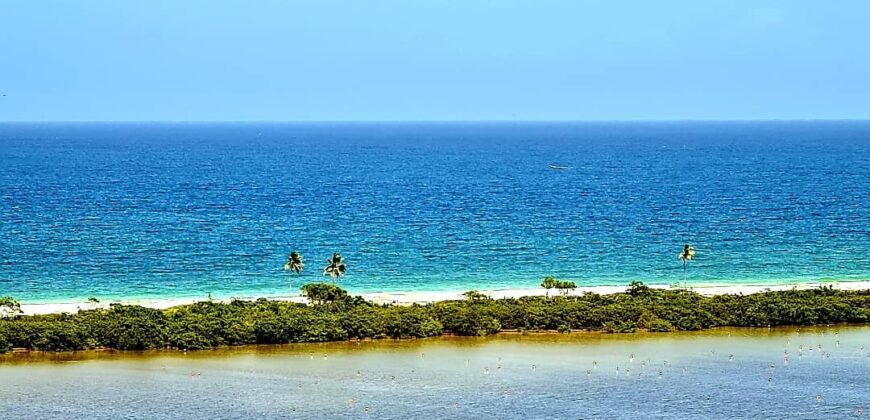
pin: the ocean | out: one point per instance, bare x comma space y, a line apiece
148, 210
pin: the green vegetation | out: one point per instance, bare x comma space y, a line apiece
335, 267
323, 293
475, 296
294, 263
549, 283
338, 316
564, 287
9, 307
686, 255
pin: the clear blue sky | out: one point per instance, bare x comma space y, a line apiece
434, 60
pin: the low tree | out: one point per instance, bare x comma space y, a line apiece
637, 288
323, 293
9, 307
93, 302
565, 287
475, 296
549, 283
335, 267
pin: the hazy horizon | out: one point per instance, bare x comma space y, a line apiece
433, 121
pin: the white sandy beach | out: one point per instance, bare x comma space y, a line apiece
422, 297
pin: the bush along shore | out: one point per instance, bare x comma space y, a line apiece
334, 315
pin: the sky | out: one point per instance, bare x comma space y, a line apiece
444, 60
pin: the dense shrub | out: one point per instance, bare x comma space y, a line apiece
364, 322
619, 327
410, 321
659, 325
339, 317
4, 342
323, 292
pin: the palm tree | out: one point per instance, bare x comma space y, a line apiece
335, 267
294, 263
687, 255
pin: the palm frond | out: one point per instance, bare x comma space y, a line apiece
335, 266
688, 253
294, 263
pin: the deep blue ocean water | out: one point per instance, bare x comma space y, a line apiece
155, 210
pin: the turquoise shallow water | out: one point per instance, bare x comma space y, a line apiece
807, 373
158, 210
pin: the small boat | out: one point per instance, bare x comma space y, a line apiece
558, 167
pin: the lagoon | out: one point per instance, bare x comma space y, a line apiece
808, 372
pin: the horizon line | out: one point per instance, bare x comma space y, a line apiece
436, 121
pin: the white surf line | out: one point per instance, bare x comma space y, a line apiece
423, 297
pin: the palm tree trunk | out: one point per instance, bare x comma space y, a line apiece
685, 276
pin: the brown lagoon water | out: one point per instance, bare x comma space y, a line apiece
820, 372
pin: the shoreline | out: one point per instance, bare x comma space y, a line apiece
423, 297
351, 345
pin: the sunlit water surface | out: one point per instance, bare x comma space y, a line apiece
182, 210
